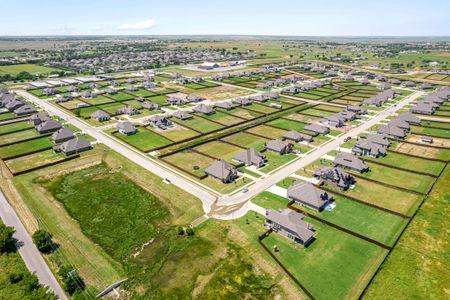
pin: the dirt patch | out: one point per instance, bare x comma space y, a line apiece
441, 142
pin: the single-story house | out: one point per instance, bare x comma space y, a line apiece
392, 131
334, 177
224, 105
203, 109
25, 110
39, 118
62, 135
48, 126
151, 105
350, 161
75, 145
100, 116
307, 194
251, 157
222, 170
128, 110
410, 118
297, 136
242, 101
159, 121
317, 129
290, 224
126, 128
278, 146
182, 115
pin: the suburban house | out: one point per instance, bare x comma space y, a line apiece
128, 110
48, 126
356, 109
175, 101
72, 146
131, 88
203, 109
182, 115
100, 116
62, 135
159, 121
224, 105
409, 118
242, 101
222, 170
39, 118
278, 146
14, 104
25, 110
334, 120
193, 98
111, 91
392, 131
297, 136
309, 195
317, 129
373, 145
251, 157
423, 108
400, 124
126, 128
290, 224
334, 177
350, 161
88, 95
150, 105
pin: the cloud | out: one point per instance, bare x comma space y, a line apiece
139, 25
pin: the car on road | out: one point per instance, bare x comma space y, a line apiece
245, 190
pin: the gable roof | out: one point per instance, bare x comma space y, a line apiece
308, 193
350, 161
250, 157
293, 222
221, 169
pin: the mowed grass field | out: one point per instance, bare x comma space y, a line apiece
25, 147
30, 68
335, 266
419, 265
143, 139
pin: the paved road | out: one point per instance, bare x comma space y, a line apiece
30, 254
175, 177
265, 183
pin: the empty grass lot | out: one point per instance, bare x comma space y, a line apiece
176, 133
407, 180
30, 68
410, 163
199, 124
25, 147
223, 118
288, 124
121, 96
14, 127
396, 200
18, 136
246, 140
112, 108
267, 131
143, 139
275, 160
142, 93
245, 114
335, 266
444, 133
98, 100
219, 150
435, 124
33, 160
187, 160
161, 100
316, 113
86, 112
8, 116
423, 151
418, 266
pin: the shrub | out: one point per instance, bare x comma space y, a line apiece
189, 231
180, 230
43, 241
6, 237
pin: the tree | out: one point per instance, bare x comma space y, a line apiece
189, 231
72, 282
6, 238
43, 241
180, 230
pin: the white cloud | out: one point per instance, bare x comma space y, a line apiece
139, 25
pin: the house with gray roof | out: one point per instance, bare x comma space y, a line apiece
88, 95
317, 129
63, 98
193, 98
242, 101
222, 170
251, 157
128, 110
204, 109
224, 105
62, 135
182, 115
5, 98
350, 161
150, 105
290, 224
38, 118
175, 101
278, 146
25, 110
334, 120
392, 131
126, 128
423, 108
409, 118
374, 145
356, 109
14, 104
309, 195
159, 121
48, 126
334, 177
296, 136
73, 146
131, 88
100, 116
400, 124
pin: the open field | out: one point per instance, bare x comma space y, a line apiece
423, 151
18, 136
33, 160
246, 140
418, 266
30, 68
14, 127
143, 139
25, 147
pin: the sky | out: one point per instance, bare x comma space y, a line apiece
230, 17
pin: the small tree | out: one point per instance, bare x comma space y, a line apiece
72, 282
43, 241
189, 231
6, 237
180, 230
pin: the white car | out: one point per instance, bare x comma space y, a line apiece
245, 190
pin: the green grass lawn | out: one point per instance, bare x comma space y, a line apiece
260, 108
270, 201
177, 134
25, 147
199, 124
112, 108
161, 100
30, 68
245, 114
435, 124
335, 266
219, 149
187, 160
267, 131
14, 127
144, 139
223, 118
418, 266
317, 113
8, 116
98, 100
18, 136
33, 160
86, 112
142, 93
288, 124
408, 180
246, 140
275, 160
121, 96
431, 131
410, 163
